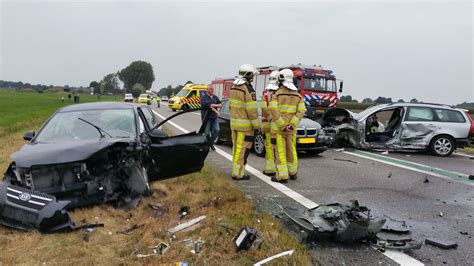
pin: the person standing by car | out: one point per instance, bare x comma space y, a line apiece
158, 100
243, 119
287, 109
269, 167
210, 103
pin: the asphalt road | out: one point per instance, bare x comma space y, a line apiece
433, 195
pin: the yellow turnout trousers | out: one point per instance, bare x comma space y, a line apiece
286, 160
241, 145
269, 160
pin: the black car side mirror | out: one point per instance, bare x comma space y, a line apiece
158, 133
29, 135
341, 84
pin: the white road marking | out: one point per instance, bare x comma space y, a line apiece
397, 256
412, 168
463, 154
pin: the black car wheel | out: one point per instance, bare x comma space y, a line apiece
442, 145
259, 145
185, 107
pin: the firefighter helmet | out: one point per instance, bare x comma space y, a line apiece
285, 78
273, 81
247, 71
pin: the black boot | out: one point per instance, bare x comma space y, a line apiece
293, 177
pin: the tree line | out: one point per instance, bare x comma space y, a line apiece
380, 99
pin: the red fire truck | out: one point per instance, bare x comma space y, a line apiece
317, 85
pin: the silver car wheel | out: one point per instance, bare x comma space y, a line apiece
443, 146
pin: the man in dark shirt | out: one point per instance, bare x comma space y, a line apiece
211, 103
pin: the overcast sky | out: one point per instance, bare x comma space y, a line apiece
396, 49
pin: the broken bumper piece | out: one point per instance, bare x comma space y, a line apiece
29, 210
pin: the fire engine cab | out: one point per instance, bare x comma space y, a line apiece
318, 86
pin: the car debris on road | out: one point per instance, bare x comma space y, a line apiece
346, 224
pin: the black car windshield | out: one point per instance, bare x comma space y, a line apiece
115, 123
317, 83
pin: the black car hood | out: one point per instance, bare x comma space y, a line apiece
61, 152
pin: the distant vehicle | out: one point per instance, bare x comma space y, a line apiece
92, 153
144, 98
189, 97
308, 138
437, 128
128, 98
164, 98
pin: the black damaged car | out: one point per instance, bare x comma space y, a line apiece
92, 153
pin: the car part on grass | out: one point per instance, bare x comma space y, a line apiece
246, 238
187, 224
28, 210
285, 253
158, 250
183, 212
444, 244
130, 230
159, 210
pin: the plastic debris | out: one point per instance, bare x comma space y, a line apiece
158, 250
184, 211
286, 253
345, 160
130, 230
444, 244
384, 153
186, 224
246, 238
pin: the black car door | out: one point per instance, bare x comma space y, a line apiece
224, 122
176, 155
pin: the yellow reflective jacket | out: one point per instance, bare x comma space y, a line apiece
266, 116
243, 108
287, 108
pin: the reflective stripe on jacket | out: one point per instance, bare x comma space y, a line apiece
287, 108
243, 108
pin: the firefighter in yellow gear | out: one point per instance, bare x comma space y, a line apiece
269, 168
287, 109
243, 119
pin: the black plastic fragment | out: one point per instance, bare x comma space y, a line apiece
444, 244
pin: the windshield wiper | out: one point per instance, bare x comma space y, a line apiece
101, 131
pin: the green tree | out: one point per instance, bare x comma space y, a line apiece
109, 83
95, 85
367, 100
137, 89
347, 98
137, 72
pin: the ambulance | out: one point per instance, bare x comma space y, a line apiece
189, 97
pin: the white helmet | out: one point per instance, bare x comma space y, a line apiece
247, 71
285, 77
273, 81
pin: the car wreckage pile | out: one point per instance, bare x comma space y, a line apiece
348, 224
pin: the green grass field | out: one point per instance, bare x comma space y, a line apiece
20, 110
